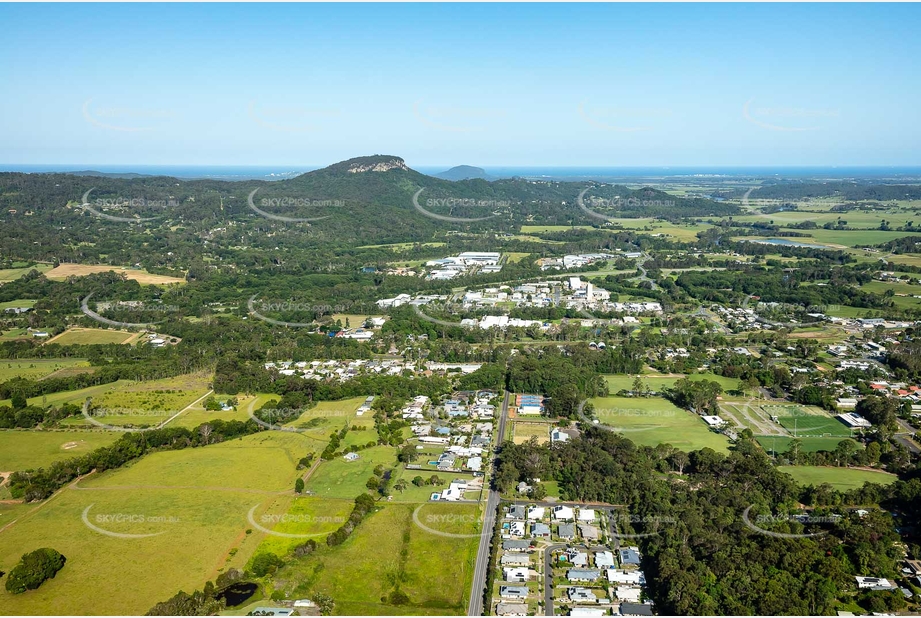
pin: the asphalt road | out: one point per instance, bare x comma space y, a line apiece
478, 589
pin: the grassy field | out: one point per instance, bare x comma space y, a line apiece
653, 420
33, 369
525, 430
21, 450
388, 552
146, 403
17, 303
807, 445
346, 479
657, 383
195, 500
91, 336
839, 478
329, 416
807, 420
11, 274
63, 271
76, 396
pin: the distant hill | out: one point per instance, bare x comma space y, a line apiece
464, 172
108, 174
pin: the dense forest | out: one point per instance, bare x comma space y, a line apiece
700, 557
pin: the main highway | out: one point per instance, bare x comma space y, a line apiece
478, 589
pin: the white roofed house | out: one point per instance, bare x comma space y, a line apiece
516, 574
587, 515
563, 513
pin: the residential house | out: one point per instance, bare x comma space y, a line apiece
514, 545
630, 594
515, 559
566, 531
563, 513
629, 556
512, 609
635, 609
589, 533
582, 595
605, 560
583, 575
516, 511
513, 592
516, 528
540, 531
535, 513
516, 574
587, 515
635, 578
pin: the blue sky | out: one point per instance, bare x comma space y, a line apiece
449, 84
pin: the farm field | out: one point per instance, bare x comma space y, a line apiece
91, 336
343, 479
196, 502
387, 552
196, 414
33, 369
146, 403
839, 478
75, 396
63, 271
22, 450
651, 421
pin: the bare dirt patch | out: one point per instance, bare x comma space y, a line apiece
63, 271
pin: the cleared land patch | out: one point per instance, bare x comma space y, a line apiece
63, 271
195, 500
652, 420
92, 336
21, 450
839, 478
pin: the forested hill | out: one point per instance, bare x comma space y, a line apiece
845, 190
366, 200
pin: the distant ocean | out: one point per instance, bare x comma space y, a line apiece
572, 174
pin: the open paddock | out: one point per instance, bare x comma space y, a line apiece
63, 271
92, 336
841, 479
650, 421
